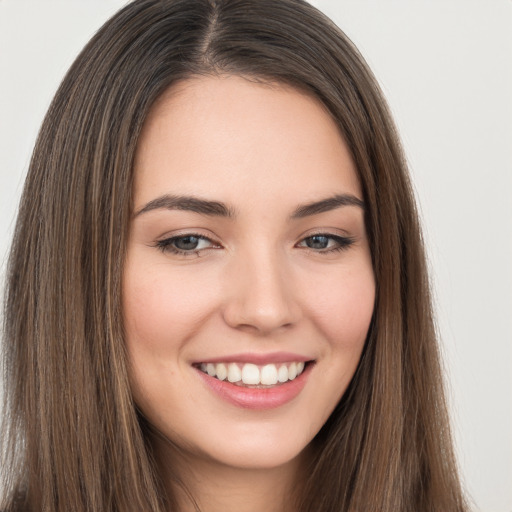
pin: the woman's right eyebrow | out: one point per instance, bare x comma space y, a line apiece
187, 203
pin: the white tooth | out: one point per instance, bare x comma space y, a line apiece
292, 371
250, 374
221, 371
300, 367
269, 374
282, 374
210, 369
203, 367
234, 373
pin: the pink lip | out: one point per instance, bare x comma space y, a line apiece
255, 398
258, 359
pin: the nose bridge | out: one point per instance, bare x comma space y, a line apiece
262, 297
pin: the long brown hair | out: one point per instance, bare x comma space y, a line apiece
74, 440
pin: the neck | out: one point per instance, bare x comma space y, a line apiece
217, 489
209, 486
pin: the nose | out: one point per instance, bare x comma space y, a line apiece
261, 297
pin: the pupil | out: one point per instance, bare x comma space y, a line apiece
318, 242
187, 243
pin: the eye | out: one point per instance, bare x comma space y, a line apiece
323, 242
188, 244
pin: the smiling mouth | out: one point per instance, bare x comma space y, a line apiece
254, 376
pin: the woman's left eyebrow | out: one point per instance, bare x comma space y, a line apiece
325, 205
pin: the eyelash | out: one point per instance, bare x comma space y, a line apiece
166, 245
342, 242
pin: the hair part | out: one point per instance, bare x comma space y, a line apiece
75, 440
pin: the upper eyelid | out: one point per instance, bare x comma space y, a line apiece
331, 232
339, 238
319, 232
327, 235
337, 234
186, 233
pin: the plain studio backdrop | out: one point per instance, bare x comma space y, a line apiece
446, 69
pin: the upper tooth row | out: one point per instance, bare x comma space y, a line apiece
252, 374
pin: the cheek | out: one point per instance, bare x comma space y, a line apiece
160, 305
343, 307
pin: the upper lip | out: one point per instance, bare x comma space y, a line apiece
258, 359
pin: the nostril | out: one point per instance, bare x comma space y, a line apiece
260, 297
263, 320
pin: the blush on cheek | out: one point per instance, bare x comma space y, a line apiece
347, 316
158, 312
349, 333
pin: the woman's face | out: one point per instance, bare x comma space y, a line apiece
247, 259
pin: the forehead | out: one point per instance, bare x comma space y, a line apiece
239, 141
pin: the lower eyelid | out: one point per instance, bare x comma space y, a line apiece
167, 244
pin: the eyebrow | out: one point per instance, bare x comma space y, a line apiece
219, 209
325, 205
187, 203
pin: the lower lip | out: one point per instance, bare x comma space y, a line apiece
257, 398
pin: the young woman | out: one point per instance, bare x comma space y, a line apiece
217, 296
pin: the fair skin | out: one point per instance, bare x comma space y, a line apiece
247, 248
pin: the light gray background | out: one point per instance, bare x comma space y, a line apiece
445, 66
